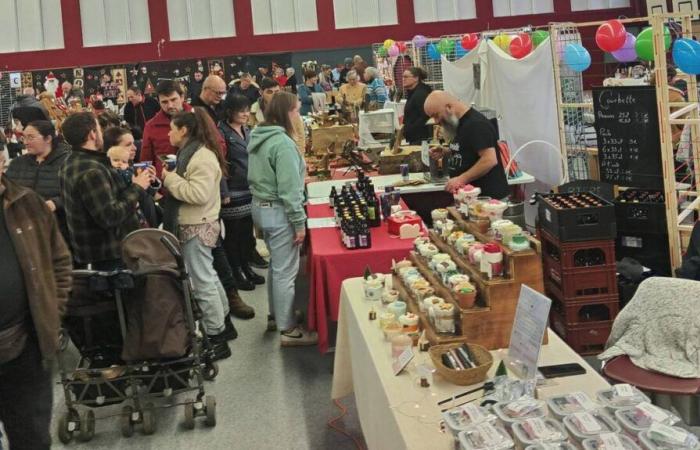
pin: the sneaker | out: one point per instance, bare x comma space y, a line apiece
261, 250
229, 332
297, 337
257, 261
271, 323
237, 307
219, 347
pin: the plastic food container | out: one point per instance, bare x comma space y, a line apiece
621, 396
465, 417
590, 425
639, 418
575, 402
485, 436
534, 431
519, 410
552, 446
651, 440
619, 441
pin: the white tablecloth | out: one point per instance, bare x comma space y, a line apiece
395, 413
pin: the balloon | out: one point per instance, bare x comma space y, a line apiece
401, 46
686, 55
645, 43
503, 41
521, 46
381, 52
577, 57
470, 41
611, 36
460, 51
445, 46
433, 52
420, 41
388, 43
394, 51
626, 53
539, 37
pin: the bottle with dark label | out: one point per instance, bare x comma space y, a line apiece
373, 216
365, 236
332, 197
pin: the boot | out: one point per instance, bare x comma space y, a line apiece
258, 261
242, 282
220, 348
237, 307
229, 332
252, 276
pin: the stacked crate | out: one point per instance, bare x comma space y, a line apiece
577, 232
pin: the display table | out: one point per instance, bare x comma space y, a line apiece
321, 189
330, 263
395, 413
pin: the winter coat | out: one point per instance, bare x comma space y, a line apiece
44, 259
414, 128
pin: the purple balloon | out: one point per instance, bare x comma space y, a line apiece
420, 41
627, 53
394, 51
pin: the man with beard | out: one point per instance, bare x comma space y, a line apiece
473, 148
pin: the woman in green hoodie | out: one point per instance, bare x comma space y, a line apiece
276, 176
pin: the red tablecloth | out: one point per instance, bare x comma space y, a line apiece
330, 263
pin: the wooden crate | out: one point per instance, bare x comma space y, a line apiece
390, 163
322, 138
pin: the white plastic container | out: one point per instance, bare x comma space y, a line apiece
553, 446
639, 418
590, 425
466, 416
651, 443
485, 436
575, 402
537, 431
621, 396
519, 410
599, 443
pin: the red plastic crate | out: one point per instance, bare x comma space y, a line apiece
599, 309
588, 339
566, 254
580, 284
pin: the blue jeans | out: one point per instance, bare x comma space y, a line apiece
207, 287
278, 234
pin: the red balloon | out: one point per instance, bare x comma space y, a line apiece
521, 46
401, 46
470, 41
611, 36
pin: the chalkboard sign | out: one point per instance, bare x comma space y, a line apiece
627, 125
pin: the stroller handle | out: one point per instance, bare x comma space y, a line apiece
171, 248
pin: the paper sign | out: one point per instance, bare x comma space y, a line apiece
322, 222
402, 361
15, 80
529, 327
319, 201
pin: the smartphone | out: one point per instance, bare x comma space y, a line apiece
562, 370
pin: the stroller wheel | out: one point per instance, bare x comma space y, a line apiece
87, 426
149, 419
189, 415
211, 370
68, 423
126, 424
210, 410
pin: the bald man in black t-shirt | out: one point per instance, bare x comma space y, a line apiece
473, 148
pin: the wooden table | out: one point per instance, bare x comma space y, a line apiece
395, 413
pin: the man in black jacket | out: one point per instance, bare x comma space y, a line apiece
97, 213
27, 108
415, 131
139, 110
211, 97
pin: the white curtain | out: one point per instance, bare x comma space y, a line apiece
523, 94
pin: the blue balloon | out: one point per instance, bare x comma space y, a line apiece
577, 57
433, 52
459, 50
686, 55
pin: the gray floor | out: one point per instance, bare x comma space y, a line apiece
267, 398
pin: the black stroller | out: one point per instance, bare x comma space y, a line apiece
139, 339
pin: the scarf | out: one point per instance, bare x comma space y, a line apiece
171, 205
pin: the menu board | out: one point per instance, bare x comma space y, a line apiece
629, 146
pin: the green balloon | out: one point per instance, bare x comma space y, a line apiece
445, 46
381, 52
645, 43
539, 37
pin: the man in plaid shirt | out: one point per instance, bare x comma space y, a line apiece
97, 213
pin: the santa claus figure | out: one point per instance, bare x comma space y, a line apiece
51, 84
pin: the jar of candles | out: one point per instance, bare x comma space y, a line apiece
465, 294
454, 237
424, 293
454, 280
390, 296
385, 319
373, 287
474, 254
494, 209
439, 214
437, 259
398, 308
444, 318
492, 260
409, 322
519, 243
428, 250
430, 302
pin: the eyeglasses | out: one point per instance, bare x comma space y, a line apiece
219, 93
407, 76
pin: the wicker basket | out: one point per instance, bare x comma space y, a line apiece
462, 377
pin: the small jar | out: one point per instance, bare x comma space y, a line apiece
508, 232
385, 319
464, 242
444, 315
494, 258
373, 288
390, 296
455, 280
391, 330
424, 293
476, 209
437, 259
401, 265
475, 253
494, 209
430, 302
420, 241
399, 344
498, 226
418, 285
454, 237
412, 278
519, 243
403, 271
428, 250
439, 214
398, 308
409, 321
446, 269
465, 294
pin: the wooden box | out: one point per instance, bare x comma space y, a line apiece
390, 162
322, 138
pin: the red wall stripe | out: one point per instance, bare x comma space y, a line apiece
75, 55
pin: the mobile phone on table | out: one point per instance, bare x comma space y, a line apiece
562, 370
